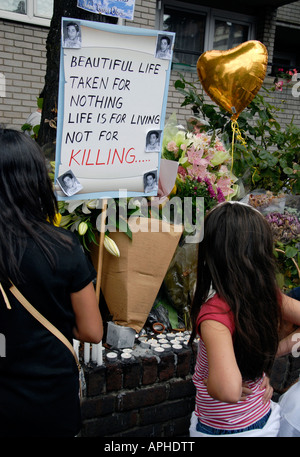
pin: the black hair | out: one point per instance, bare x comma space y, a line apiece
28, 203
165, 37
236, 260
151, 174
74, 24
67, 174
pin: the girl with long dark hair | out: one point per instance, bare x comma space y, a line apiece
39, 383
237, 312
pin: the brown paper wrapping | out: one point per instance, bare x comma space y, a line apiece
130, 283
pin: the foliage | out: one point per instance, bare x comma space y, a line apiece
270, 157
33, 130
268, 160
288, 261
286, 231
84, 217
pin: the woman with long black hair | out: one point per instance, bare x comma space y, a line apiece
39, 383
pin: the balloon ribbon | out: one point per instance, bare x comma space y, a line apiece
236, 133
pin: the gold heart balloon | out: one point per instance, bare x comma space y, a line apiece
232, 78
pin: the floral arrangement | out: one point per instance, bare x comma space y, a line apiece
84, 218
283, 75
286, 231
203, 165
285, 227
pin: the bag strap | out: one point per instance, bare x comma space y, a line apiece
44, 321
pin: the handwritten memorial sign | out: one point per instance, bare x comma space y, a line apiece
112, 96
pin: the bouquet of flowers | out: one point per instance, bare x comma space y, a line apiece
203, 166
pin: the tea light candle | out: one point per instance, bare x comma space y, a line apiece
111, 356
126, 356
177, 347
145, 344
128, 350
159, 350
160, 336
166, 347
163, 341
142, 339
170, 336
153, 342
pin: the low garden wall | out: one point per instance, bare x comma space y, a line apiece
153, 396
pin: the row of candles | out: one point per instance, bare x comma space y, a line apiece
159, 344
165, 342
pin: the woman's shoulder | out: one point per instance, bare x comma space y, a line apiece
216, 308
216, 303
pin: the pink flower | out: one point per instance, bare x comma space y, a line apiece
194, 155
172, 146
182, 171
278, 86
224, 185
212, 178
197, 171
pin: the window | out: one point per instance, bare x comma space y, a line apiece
286, 49
227, 34
199, 29
30, 11
190, 29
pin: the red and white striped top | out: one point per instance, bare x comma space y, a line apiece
227, 416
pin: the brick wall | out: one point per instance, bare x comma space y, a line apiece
23, 63
289, 13
144, 14
148, 397
153, 396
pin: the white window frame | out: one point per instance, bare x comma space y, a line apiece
212, 14
29, 18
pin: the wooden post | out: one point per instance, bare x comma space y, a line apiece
101, 247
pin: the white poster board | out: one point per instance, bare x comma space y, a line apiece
113, 91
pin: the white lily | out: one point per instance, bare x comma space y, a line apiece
82, 228
65, 220
92, 204
111, 246
73, 204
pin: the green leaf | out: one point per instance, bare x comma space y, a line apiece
179, 84
291, 251
288, 171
